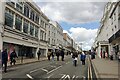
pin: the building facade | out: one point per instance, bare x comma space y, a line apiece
67, 42
107, 39
58, 35
24, 29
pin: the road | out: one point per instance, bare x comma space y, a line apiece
49, 69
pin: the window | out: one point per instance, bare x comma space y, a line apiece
49, 33
32, 15
9, 18
25, 27
18, 22
37, 18
36, 31
49, 40
41, 34
11, 3
114, 16
31, 29
19, 7
26, 11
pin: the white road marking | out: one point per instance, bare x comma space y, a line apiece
44, 70
67, 77
63, 76
77, 77
73, 77
29, 76
50, 76
53, 66
54, 69
35, 70
67, 62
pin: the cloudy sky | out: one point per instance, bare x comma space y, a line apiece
79, 19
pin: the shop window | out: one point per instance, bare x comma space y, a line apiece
36, 31
26, 11
18, 23
31, 30
9, 18
25, 27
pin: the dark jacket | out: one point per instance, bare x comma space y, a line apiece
38, 53
4, 56
13, 55
62, 53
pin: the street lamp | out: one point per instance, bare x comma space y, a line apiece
81, 45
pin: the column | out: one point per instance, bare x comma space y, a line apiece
2, 17
14, 21
22, 25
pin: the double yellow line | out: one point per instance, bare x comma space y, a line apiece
89, 69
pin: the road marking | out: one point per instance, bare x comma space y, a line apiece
67, 77
63, 76
53, 66
67, 62
50, 76
54, 69
35, 70
44, 70
73, 77
77, 77
29, 76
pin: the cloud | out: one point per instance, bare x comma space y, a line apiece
84, 36
73, 12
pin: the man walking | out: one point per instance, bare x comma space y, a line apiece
82, 57
57, 54
4, 59
39, 53
13, 55
62, 55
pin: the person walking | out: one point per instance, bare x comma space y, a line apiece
13, 55
58, 54
4, 59
119, 55
52, 54
49, 54
74, 56
38, 54
83, 57
62, 55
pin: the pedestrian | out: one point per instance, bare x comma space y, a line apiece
92, 55
58, 54
111, 55
13, 55
106, 54
62, 55
103, 54
4, 59
74, 56
52, 54
38, 54
82, 58
49, 54
119, 55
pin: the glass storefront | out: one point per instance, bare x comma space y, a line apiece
21, 50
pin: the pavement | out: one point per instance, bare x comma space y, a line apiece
27, 60
105, 68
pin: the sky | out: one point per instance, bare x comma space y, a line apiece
80, 20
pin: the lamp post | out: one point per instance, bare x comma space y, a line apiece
81, 45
